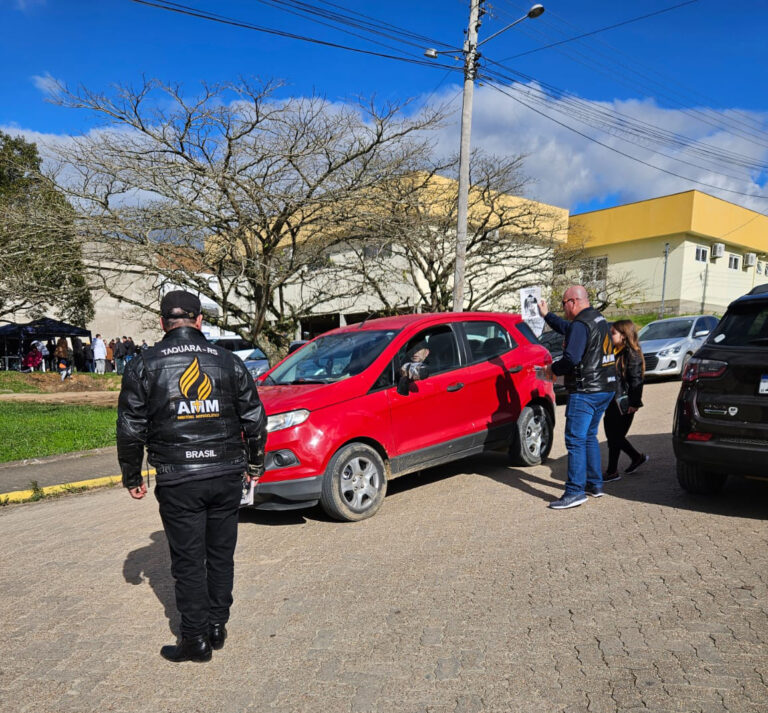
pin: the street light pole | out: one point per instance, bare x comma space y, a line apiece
471, 55
470, 69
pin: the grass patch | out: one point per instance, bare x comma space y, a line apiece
29, 430
12, 382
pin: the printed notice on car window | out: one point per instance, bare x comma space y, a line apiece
763, 384
529, 308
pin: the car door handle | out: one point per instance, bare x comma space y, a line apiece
455, 387
515, 369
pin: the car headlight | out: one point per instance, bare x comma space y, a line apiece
286, 420
670, 351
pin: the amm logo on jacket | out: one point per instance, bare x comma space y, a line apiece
196, 387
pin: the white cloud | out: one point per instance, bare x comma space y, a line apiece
48, 84
567, 169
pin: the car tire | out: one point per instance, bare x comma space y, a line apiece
531, 437
354, 484
694, 479
686, 359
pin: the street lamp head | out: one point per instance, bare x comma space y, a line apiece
431, 52
535, 11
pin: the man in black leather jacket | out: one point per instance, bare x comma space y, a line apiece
589, 367
194, 406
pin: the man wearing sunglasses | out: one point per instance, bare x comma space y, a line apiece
589, 367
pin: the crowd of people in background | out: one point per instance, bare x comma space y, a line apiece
66, 356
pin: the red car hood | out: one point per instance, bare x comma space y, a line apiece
279, 399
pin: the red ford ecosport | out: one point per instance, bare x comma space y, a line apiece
343, 418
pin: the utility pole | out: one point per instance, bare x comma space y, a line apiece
664, 279
471, 55
470, 69
704, 291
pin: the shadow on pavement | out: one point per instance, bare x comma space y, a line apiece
153, 564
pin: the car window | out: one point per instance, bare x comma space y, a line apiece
701, 325
487, 340
255, 354
443, 349
332, 358
743, 325
672, 329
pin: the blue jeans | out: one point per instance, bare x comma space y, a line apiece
582, 419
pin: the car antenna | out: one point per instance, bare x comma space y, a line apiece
365, 319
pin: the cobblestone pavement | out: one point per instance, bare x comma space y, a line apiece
464, 594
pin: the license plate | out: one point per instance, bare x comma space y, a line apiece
763, 384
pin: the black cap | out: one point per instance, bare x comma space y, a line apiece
179, 304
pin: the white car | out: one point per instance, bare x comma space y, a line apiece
668, 344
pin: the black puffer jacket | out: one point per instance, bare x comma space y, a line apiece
194, 406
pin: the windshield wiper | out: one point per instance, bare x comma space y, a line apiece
307, 381
759, 340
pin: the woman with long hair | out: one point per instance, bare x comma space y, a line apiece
630, 369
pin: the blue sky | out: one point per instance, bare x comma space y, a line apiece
710, 56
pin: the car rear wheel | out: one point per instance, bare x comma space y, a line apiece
694, 479
532, 436
354, 484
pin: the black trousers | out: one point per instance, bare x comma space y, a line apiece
200, 522
616, 427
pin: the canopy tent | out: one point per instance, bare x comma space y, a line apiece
14, 338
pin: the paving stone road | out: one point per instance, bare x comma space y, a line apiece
464, 594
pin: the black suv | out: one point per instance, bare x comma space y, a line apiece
721, 417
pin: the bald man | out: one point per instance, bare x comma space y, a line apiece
589, 367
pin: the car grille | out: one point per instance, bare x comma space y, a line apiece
651, 361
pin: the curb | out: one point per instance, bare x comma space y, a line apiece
20, 496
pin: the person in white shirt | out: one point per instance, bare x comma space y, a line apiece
99, 354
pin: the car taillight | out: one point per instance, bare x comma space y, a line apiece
698, 436
704, 369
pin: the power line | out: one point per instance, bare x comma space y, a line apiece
212, 17
602, 29
498, 88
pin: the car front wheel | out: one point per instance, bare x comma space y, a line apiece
694, 479
532, 436
354, 484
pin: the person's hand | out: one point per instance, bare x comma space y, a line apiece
543, 308
632, 409
138, 492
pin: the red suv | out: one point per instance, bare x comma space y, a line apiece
365, 403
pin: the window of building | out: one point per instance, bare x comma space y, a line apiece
701, 254
733, 262
596, 270
377, 250
759, 268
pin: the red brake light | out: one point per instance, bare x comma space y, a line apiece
698, 436
704, 369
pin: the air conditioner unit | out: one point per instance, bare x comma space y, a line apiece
718, 249
750, 259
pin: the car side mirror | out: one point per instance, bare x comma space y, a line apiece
701, 333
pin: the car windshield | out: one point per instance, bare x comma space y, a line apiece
332, 358
743, 325
673, 329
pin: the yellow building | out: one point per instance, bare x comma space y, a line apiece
716, 250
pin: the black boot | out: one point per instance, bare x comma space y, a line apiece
217, 634
194, 648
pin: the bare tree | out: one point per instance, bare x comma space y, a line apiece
233, 194
405, 252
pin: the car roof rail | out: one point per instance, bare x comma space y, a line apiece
759, 290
